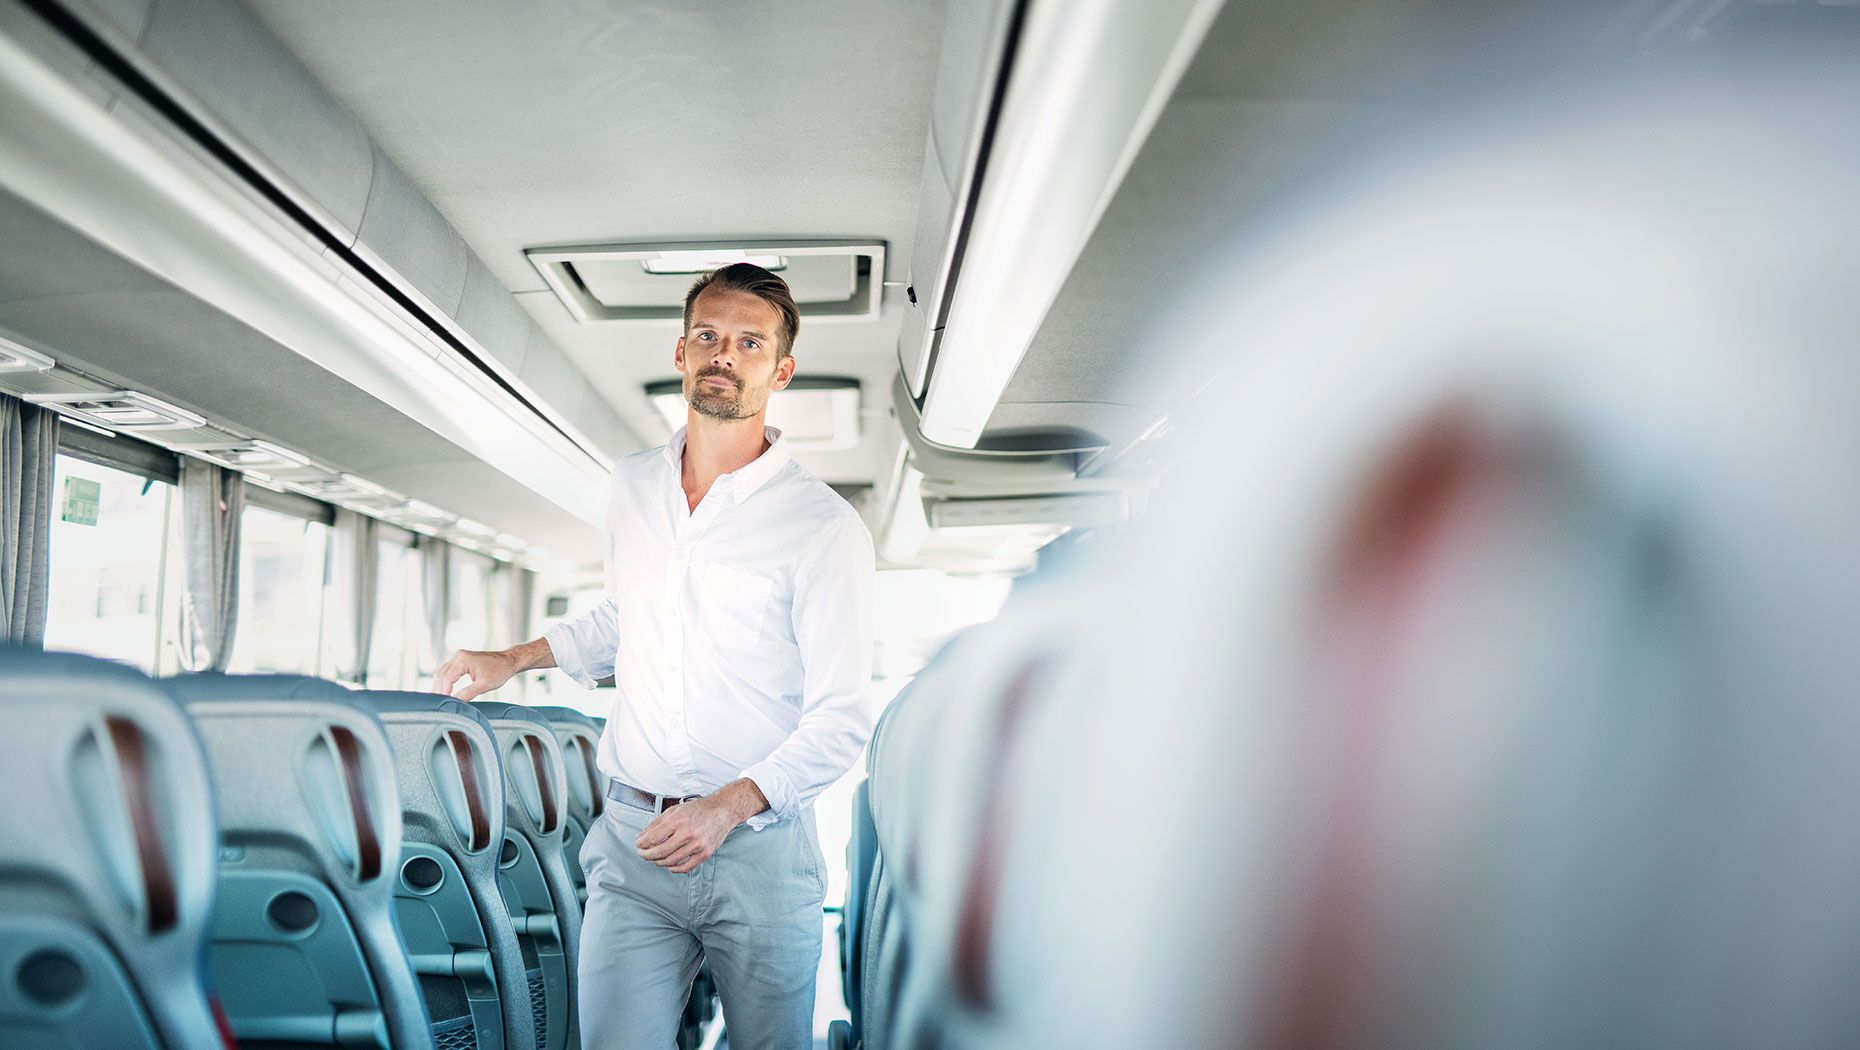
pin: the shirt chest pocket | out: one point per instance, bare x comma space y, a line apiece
732, 604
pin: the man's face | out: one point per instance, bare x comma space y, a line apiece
730, 355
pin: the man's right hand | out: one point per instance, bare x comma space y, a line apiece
488, 670
485, 671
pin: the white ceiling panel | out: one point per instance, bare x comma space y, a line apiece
654, 122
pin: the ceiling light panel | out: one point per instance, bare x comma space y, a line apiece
693, 263
814, 280
831, 280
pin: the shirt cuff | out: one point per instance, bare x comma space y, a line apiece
773, 784
568, 656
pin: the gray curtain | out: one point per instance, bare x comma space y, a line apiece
435, 594
28, 450
212, 507
353, 558
511, 588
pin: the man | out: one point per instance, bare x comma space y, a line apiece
735, 626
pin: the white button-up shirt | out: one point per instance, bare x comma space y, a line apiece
738, 634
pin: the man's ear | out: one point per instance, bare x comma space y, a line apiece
784, 373
678, 356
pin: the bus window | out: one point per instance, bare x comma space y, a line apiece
108, 560
468, 600
281, 561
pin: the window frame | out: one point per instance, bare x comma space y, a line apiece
119, 453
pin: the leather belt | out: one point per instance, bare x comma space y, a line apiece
628, 795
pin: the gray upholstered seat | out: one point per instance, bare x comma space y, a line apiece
305, 950
450, 910
531, 870
106, 873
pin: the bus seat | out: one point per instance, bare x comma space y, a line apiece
885, 961
1491, 682
580, 740
305, 950
450, 911
946, 772
861, 858
534, 876
107, 873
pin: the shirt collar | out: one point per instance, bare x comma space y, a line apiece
747, 478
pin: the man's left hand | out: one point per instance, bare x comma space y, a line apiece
685, 836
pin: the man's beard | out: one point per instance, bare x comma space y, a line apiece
716, 404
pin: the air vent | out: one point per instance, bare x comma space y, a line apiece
16, 358
815, 413
831, 280
260, 456
121, 410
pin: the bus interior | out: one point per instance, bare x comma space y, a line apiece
1364, 495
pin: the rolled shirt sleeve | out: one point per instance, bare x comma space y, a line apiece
584, 649
832, 626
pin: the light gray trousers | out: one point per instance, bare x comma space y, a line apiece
752, 911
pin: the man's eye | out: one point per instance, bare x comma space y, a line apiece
706, 336
749, 344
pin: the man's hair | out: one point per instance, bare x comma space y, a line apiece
748, 277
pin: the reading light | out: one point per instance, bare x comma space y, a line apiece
704, 262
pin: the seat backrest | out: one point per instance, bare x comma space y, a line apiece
580, 739
449, 907
304, 946
106, 859
531, 870
861, 861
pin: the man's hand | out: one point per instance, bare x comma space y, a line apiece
488, 670
685, 836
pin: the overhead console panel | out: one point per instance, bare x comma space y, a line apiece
1018, 175
210, 74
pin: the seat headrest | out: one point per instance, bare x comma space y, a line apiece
384, 700
567, 716
22, 660
510, 712
211, 687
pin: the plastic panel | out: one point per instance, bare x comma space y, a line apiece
301, 980
528, 895
95, 844
424, 729
580, 739
551, 377
402, 229
491, 314
537, 887
446, 940
63, 988
226, 57
297, 818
